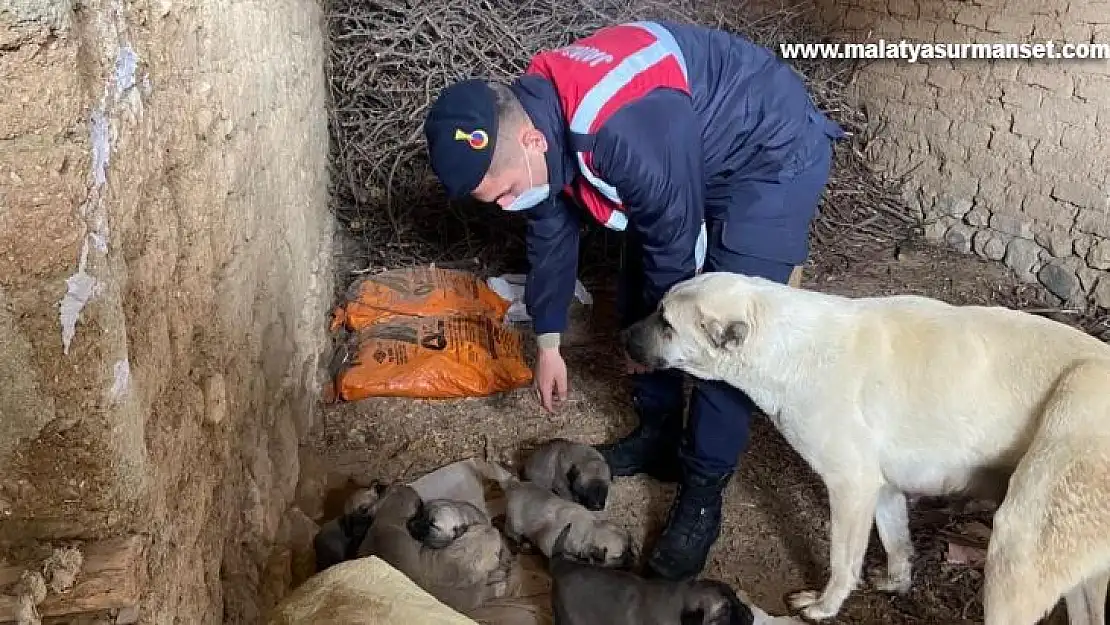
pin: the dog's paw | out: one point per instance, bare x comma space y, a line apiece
882, 581
809, 604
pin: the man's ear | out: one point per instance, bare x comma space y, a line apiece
534, 139
725, 334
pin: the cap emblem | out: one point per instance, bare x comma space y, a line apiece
477, 139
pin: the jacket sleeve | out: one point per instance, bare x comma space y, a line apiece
552, 243
651, 152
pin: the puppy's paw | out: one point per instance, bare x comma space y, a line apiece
810, 605
883, 581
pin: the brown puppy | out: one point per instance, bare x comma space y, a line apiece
572, 471
582, 594
465, 572
536, 513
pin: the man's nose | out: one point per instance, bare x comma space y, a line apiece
505, 201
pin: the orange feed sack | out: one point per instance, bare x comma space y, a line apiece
422, 292
435, 358
427, 333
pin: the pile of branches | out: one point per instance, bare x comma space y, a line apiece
389, 59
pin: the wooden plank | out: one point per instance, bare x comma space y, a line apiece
112, 577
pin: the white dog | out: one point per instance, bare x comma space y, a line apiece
890, 396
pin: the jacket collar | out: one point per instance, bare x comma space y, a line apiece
541, 102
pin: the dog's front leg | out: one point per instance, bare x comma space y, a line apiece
893, 523
851, 508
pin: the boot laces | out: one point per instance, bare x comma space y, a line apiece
692, 512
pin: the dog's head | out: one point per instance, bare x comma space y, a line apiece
439, 522
611, 546
588, 489
699, 324
712, 602
364, 500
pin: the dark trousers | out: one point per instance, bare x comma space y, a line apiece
717, 430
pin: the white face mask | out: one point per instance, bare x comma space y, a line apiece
532, 196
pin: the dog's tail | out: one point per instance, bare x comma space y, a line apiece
1051, 535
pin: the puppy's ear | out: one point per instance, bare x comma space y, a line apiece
419, 525
598, 555
628, 558
720, 605
693, 617
724, 335
559, 549
572, 477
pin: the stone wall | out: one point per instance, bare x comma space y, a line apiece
1006, 159
164, 281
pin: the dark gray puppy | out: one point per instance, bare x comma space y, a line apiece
572, 471
583, 594
338, 539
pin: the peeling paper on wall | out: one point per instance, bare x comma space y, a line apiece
511, 286
81, 287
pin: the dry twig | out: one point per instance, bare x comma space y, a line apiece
390, 57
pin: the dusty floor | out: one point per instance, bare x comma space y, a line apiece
773, 540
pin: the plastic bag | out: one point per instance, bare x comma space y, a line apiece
419, 292
511, 287
427, 333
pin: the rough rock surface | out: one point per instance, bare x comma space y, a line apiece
1014, 147
165, 270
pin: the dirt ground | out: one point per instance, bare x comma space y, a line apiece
773, 538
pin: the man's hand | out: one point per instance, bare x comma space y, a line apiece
550, 377
633, 367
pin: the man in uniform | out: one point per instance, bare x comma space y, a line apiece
708, 153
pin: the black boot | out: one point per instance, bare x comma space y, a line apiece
651, 448
693, 525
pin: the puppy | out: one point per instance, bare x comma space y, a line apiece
536, 513
339, 538
464, 573
582, 594
437, 523
572, 471
886, 397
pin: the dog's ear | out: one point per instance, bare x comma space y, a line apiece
419, 524
692, 617
559, 549
723, 334
720, 605
598, 555
572, 476
628, 558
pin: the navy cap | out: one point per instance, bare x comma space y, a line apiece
461, 128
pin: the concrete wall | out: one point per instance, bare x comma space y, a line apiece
1010, 155
164, 279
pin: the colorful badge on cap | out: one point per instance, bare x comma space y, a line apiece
477, 139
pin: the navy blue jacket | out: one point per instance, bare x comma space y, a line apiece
673, 159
